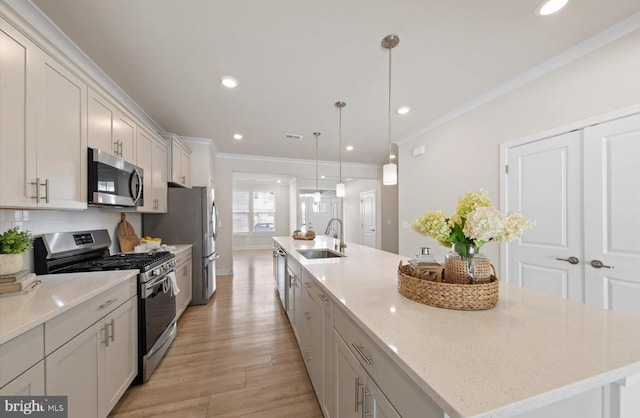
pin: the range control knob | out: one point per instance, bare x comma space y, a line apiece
155, 272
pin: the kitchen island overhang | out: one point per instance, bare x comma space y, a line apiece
530, 351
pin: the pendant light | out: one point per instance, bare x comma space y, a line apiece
316, 195
390, 170
340, 189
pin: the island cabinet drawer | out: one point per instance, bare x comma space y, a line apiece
67, 325
405, 396
20, 353
315, 291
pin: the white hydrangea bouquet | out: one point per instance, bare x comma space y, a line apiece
474, 223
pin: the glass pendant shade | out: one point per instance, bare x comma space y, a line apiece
340, 191
390, 174
316, 197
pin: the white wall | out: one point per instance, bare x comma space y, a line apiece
463, 154
227, 164
262, 240
47, 221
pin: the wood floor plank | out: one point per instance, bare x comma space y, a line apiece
234, 357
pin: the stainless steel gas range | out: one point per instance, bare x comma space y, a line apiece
87, 251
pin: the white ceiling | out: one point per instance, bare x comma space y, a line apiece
295, 58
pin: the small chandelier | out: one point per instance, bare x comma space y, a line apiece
340, 189
390, 170
316, 195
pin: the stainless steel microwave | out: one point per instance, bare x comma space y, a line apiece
113, 181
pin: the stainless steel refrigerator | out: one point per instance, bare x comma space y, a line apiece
191, 218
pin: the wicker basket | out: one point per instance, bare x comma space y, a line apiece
465, 297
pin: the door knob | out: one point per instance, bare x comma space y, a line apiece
570, 260
598, 265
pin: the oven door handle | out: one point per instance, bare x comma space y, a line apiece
148, 287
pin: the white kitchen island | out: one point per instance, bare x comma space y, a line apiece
531, 351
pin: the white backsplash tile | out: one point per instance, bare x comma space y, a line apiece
47, 221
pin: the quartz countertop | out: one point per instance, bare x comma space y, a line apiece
56, 294
531, 350
180, 248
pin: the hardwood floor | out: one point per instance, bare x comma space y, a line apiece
235, 357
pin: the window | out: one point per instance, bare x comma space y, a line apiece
264, 212
254, 212
240, 212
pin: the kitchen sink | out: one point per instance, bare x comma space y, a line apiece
320, 253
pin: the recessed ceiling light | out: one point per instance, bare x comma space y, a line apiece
392, 156
229, 82
403, 110
279, 181
349, 147
322, 177
548, 7
237, 136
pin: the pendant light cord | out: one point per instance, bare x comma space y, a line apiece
340, 141
390, 105
316, 135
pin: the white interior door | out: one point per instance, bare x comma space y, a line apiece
368, 219
612, 214
544, 181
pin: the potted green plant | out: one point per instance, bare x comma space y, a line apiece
13, 243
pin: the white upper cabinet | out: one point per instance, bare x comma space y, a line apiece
152, 158
18, 62
109, 129
180, 169
43, 140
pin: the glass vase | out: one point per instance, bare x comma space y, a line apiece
464, 264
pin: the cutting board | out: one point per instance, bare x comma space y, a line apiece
126, 235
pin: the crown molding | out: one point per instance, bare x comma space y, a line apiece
203, 141
293, 160
612, 33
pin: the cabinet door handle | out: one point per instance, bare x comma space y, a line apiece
113, 329
107, 303
359, 350
570, 260
120, 148
307, 315
599, 265
46, 191
37, 184
106, 335
356, 397
363, 389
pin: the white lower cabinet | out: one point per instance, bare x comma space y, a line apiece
29, 383
183, 278
96, 366
357, 394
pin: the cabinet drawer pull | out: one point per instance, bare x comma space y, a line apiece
365, 414
324, 299
358, 349
308, 284
107, 303
307, 315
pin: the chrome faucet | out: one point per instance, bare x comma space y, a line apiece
343, 245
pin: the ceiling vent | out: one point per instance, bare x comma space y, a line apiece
293, 137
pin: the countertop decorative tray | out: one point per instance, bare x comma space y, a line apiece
465, 297
302, 237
